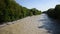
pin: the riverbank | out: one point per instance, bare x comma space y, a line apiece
28, 25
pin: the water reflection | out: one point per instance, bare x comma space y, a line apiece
52, 26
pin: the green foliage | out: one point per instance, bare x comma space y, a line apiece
55, 13
35, 11
10, 11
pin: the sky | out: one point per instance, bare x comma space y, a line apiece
42, 5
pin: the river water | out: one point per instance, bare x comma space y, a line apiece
39, 24
51, 25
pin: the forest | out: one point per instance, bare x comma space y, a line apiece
11, 11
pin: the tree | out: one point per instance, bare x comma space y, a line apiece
10, 11
54, 13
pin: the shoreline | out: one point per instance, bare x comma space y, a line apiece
13, 22
28, 25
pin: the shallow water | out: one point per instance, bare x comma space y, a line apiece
51, 25
39, 24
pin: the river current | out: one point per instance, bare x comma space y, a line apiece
51, 25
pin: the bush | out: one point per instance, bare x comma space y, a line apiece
10, 11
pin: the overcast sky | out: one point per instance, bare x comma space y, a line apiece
39, 4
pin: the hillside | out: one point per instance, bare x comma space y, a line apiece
12, 11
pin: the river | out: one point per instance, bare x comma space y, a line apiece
51, 25
39, 24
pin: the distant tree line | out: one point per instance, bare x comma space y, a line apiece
10, 11
54, 12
